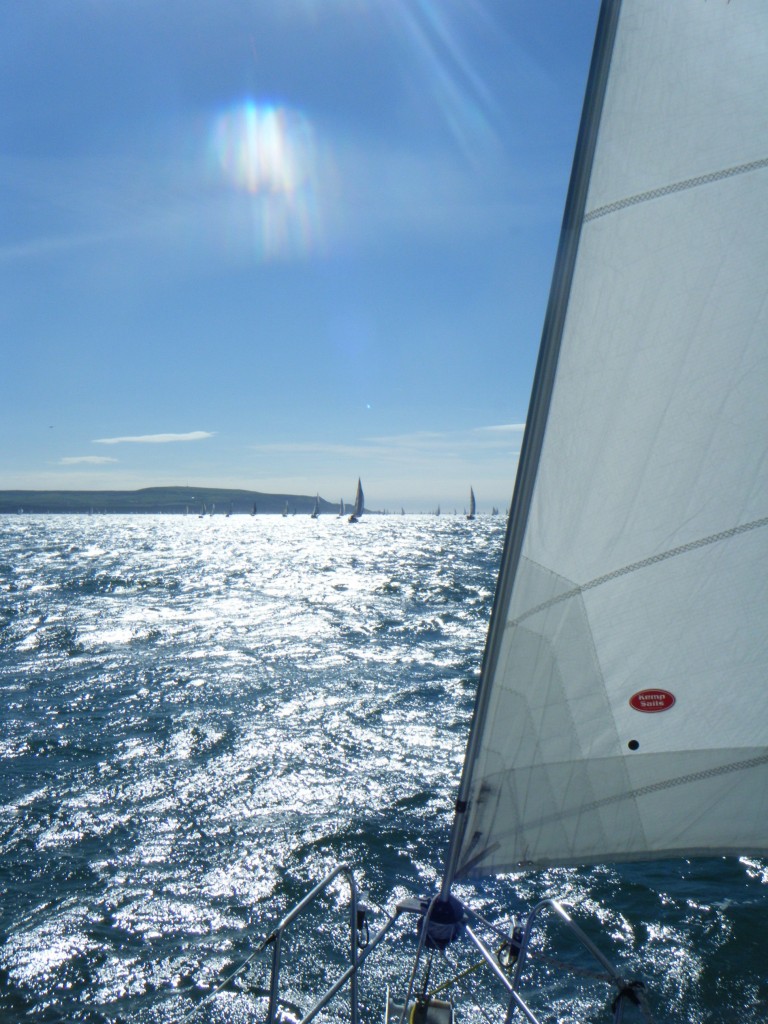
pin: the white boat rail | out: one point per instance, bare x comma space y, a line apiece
508, 971
357, 956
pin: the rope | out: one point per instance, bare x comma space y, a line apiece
223, 984
581, 972
634, 991
455, 980
542, 957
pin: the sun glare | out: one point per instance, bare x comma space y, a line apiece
268, 153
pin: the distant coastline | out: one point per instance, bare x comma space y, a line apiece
171, 500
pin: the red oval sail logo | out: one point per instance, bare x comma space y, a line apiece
651, 701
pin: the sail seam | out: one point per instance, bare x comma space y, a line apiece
653, 560
595, 805
679, 186
654, 787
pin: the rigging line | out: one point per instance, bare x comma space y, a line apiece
663, 556
549, 961
538, 410
678, 186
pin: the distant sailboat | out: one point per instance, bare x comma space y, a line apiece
229, 513
203, 512
341, 508
357, 511
437, 511
316, 509
285, 510
253, 513
471, 513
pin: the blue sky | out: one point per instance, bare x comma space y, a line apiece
278, 244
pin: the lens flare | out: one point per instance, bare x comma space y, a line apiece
268, 154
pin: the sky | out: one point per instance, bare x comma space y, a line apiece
280, 244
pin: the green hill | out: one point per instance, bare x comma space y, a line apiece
178, 500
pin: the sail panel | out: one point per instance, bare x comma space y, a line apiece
644, 563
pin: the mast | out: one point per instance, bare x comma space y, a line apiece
546, 366
631, 597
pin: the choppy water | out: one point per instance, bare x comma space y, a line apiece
201, 716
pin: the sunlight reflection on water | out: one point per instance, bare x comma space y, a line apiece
216, 705
202, 716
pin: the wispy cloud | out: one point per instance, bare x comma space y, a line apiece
455, 442
193, 435
92, 460
47, 246
418, 469
421, 444
503, 428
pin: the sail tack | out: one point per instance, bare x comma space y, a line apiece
622, 710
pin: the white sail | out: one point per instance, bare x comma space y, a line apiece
357, 511
622, 708
471, 513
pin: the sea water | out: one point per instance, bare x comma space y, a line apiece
202, 716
